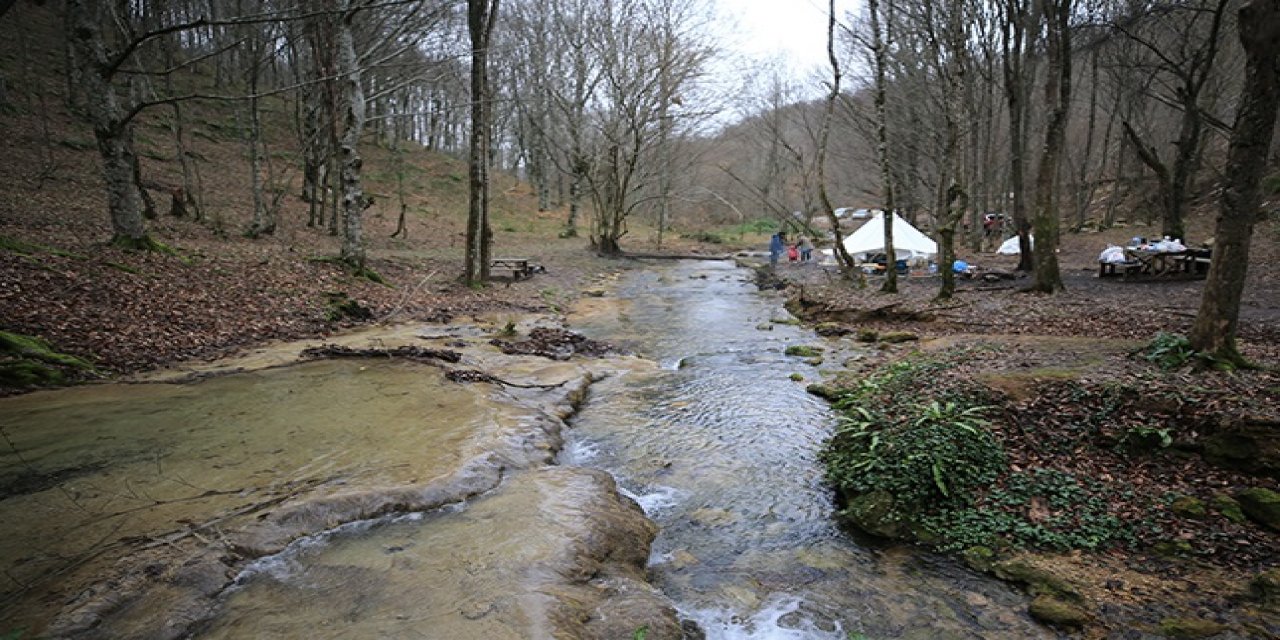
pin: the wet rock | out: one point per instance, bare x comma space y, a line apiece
1038, 581
1058, 612
873, 513
1262, 506
832, 329
797, 377
1190, 628
826, 392
814, 362
803, 351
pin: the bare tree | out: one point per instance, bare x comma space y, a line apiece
843, 258
1057, 100
879, 54
481, 15
1182, 40
1214, 331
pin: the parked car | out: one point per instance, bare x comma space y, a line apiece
850, 212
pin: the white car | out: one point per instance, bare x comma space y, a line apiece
850, 212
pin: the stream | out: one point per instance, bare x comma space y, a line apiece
344, 499
720, 447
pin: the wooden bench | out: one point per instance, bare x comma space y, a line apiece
1108, 269
520, 268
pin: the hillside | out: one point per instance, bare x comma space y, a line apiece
220, 291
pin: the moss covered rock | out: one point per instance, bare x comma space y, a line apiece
1252, 446
1229, 508
873, 513
824, 391
868, 335
1190, 628
1058, 612
832, 329
1262, 506
804, 351
1189, 507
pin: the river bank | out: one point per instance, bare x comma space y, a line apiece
1142, 530
158, 502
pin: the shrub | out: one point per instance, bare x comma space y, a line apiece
1169, 351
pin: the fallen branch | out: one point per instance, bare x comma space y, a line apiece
408, 353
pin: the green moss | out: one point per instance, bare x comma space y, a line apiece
1189, 507
22, 247
1262, 506
25, 373
28, 347
1190, 628
804, 351
1229, 508
1059, 613
797, 377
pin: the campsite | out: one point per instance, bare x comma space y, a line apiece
457, 320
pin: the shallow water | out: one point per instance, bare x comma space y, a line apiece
720, 448
716, 443
85, 469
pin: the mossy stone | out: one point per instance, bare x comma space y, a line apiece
1189, 507
1229, 508
1037, 580
979, 558
1262, 506
1190, 628
797, 377
873, 513
868, 335
804, 351
832, 329
1057, 612
824, 391
814, 362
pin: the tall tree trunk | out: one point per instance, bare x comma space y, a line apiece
955, 200
353, 199
110, 128
1214, 331
1057, 98
1020, 22
882, 147
847, 267
481, 15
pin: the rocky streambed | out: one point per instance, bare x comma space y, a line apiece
158, 509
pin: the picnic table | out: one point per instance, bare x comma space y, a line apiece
520, 268
1145, 262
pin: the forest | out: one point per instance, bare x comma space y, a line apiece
195, 182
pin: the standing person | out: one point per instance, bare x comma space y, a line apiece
806, 249
777, 244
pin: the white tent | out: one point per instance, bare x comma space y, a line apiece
1011, 247
908, 241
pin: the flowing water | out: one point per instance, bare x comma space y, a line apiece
716, 442
720, 448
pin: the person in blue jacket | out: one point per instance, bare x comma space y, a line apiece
777, 244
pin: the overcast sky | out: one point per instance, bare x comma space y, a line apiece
793, 29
